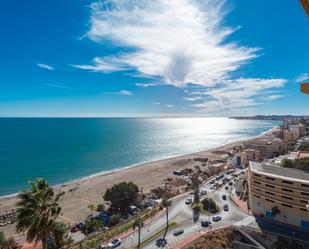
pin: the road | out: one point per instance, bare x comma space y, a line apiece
183, 215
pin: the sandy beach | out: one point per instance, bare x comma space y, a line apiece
80, 194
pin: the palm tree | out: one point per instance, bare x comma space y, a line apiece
166, 203
37, 211
138, 223
92, 208
6, 243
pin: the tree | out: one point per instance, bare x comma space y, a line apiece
138, 223
60, 233
210, 205
100, 207
91, 225
6, 243
92, 208
114, 219
166, 203
121, 195
37, 211
287, 163
275, 210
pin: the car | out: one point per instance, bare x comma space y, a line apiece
216, 218
212, 181
188, 201
178, 232
114, 243
102, 247
203, 192
161, 242
226, 187
74, 229
205, 223
212, 187
226, 207
224, 197
230, 183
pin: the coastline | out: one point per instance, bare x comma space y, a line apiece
89, 190
108, 172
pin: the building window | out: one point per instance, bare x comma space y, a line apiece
287, 182
286, 205
257, 175
304, 209
257, 196
270, 178
304, 193
305, 185
270, 193
269, 200
286, 197
304, 201
256, 182
270, 186
287, 190
258, 189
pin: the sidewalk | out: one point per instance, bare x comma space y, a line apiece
240, 203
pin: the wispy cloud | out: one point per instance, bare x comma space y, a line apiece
156, 103
238, 93
302, 77
145, 85
190, 47
122, 92
181, 43
169, 106
193, 98
60, 86
45, 66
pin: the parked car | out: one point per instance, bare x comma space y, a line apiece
161, 242
188, 201
216, 218
212, 187
102, 247
205, 223
203, 192
74, 229
212, 181
230, 183
226, 207
178, 232
114, 243
224, 197
226, 187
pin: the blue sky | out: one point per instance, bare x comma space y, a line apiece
152, 58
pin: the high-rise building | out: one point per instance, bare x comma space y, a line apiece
280, 194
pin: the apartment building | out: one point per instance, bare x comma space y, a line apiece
268, 147
249, 155
281, 194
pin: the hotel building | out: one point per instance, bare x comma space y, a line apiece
281, 194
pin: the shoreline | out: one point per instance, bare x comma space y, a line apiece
109, 172
89, 190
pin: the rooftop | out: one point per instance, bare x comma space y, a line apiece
292, 174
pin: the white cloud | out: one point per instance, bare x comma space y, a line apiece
302, 77
178, 41
238, 93
169, 106
273, 97
145, 85
192, 98
122, 92
45, 66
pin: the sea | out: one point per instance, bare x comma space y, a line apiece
62, 150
